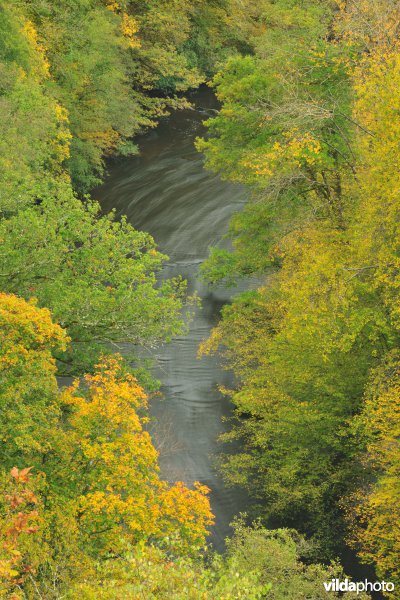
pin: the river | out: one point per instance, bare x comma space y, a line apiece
166, 191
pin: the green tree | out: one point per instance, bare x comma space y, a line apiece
34, 131
323, 218
96, 275
284, 129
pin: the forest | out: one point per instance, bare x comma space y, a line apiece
309, 124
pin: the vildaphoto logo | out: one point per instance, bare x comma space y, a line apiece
336, 585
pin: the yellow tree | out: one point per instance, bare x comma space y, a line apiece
96, 473
113, 473
28, 389
374, 513
367, 23
374, 508
376, 232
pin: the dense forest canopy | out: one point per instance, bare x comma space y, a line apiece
309, 93
310, 122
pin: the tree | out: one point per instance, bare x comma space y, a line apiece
277, 556
87, 53
96, 490
114, 473
19, 522
300, 378
28, 388
97, 276
373, 509
373, 506
115, 68
284, 129
323, 219
34, 131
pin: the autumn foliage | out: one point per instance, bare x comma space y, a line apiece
19, 521
122, 493
373, 509
310, 122
95, 489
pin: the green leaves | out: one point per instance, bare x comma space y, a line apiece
317, 149
284, 129
96, 275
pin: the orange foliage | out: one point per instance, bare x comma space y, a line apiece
20, 520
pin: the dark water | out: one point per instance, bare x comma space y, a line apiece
167, 192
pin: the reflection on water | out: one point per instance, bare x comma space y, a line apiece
166, 192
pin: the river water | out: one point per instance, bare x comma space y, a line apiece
167, 192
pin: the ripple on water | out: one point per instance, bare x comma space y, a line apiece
166, 192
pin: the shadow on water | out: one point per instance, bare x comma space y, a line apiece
167, 192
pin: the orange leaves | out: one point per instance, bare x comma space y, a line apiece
21, 524
20, 476
17, 522
21, 496
25, 495
14, 500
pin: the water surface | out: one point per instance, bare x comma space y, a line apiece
167, 192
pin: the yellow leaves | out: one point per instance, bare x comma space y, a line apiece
125, 491
189, 509
26, 331
99, 501
106, 139
301, 147
129, 25
40, 64
130, 28
28, 387
376, 109
368, 23
114, 6
375, 516
61, 143
296, 149
210, 345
